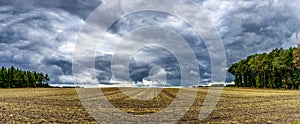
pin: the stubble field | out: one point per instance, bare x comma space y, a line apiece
236, 105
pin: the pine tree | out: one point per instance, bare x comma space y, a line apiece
14, 78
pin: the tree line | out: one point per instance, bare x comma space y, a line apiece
277, 69
15, 78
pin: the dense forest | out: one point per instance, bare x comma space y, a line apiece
277, 69
16, 78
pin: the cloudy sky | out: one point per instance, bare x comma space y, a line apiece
41, 35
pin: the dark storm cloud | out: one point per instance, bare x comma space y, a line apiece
40, 35
81, 8
148, 57
247, 27
66, 66
39, 39
102, 65
259, 26
141, 65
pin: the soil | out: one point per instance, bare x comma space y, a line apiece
236, 105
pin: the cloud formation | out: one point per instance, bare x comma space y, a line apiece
39, 39
247, 27
41, 35
255, 25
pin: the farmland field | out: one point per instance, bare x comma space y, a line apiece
236, 105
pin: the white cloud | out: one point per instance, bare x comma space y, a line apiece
66, 78
67, 48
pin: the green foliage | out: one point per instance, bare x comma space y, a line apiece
278, 69
16, 78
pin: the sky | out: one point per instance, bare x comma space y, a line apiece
41, 35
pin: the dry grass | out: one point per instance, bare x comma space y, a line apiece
236, 105
41, 106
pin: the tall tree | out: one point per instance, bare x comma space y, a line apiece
14, 78
277, 69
